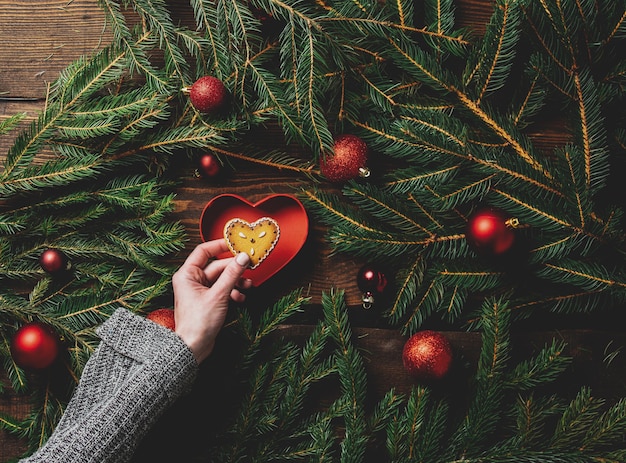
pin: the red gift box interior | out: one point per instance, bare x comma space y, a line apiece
285, 209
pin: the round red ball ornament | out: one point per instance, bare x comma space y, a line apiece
427, 355
491, 231
53, 261
207, 94
348, 160
208, 166
372, 281
164, 317
35, 346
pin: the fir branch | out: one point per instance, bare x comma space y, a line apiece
204, 14
352, 377
279, 312
426, 304
488, 396
589, 277
274, 159
135, 50
156, 16
545, 367
385, 208
489, 68
408, 280
580, 413
606, 429
592, 132
11, 122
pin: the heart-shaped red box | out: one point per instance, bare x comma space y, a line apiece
286, 209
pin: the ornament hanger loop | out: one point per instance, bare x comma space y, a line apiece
512, 222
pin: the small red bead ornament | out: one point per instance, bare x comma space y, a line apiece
207, 94
53, 261
491, 231
208, 166
427, 355
35, 346
348, 160
164, 317
372, 282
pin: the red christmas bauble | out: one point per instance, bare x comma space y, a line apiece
427, 355
164, 317
35, 345
348, 160
208, 94
53, 261
371, 279
488, 231
209, 166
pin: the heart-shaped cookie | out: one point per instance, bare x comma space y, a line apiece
285, 209
257, 239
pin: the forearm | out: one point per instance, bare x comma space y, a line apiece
138, 371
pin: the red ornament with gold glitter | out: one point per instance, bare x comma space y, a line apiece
348, 160
207, 94
35, 346
427, 355
491, 231
164, 317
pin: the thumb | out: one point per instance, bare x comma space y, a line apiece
231, 274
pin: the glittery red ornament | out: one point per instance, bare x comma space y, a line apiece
348, 160
35, 345
427, 355
53, 261
164, 317
489, 231
209, 166
207, 94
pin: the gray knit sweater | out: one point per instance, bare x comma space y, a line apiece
138, 370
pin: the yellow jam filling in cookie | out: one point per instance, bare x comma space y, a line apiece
257, 239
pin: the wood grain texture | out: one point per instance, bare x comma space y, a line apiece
39, 39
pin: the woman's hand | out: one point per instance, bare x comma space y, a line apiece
203, 287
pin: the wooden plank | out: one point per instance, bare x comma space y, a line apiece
39, 39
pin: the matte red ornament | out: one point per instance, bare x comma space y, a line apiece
372, 281
164, 317
427, 355
207, 94
489, 230
370, 278
35, 346
53, 261
209, 166
348, 160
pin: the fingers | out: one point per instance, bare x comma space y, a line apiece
232, 273
204, 252
216, 268
237, 296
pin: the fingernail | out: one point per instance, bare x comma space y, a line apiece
242, 259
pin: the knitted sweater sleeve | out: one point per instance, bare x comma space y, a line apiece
138, 370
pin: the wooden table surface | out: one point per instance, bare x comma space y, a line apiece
39, 39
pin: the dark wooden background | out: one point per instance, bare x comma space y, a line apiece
39, 39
